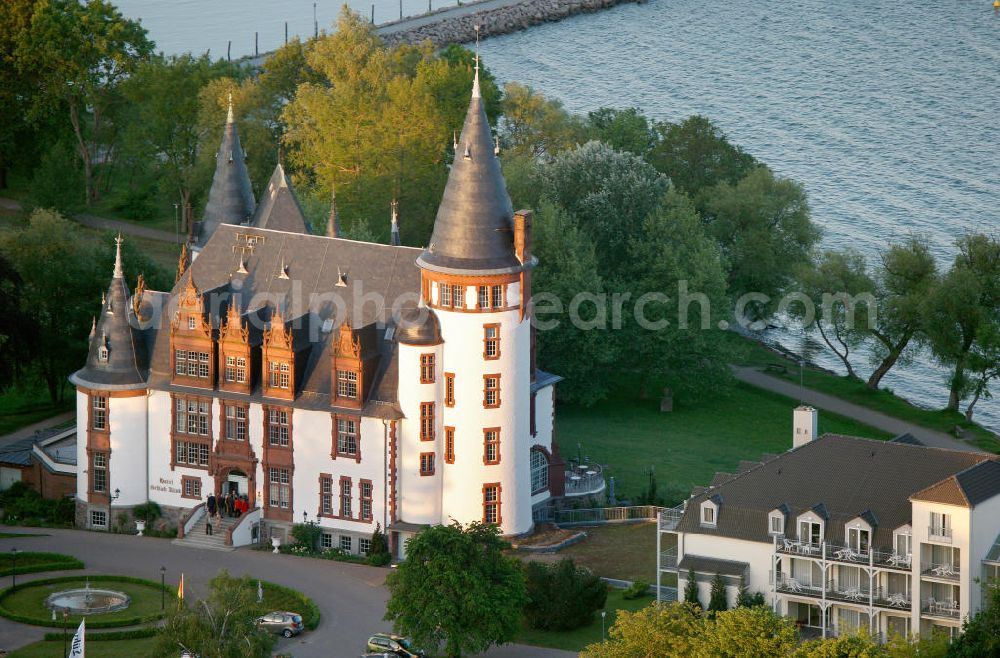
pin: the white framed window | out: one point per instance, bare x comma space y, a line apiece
100, 412
811, 532
102, 354
708, 515
345, 543
347, 384
280, 488
326, 540
539, 471
458, 296
444, 291
347, 437
903, 541
192, 323
776, 524
364, 545
98, 518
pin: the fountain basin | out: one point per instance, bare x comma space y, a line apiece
88, 601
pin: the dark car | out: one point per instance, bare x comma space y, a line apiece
282, 623
394, 644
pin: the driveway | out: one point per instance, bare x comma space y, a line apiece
351, 597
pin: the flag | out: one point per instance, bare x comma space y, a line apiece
76, 649
180, 588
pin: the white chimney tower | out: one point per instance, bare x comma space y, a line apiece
805, 422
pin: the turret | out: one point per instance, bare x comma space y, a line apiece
279, 209
230, 199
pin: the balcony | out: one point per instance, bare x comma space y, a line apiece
844, 554
584, 480
670, 518
859, 595
942, 609
945, 571
939, 534
668, 559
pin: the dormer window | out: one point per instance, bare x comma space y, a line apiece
710, 512
102, 354
776, 523
191, 322
811, 532
902, 541
279, 374
347, 384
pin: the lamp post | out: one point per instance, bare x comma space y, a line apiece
603, 615
65, 619
163, 588
13, 568
177, 223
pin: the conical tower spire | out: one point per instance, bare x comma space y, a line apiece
473, 230
118, 274
333, 224
230, 199
394, 241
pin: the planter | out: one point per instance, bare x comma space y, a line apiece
140, 526
275, 542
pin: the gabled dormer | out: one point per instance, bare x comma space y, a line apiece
902, 541
192, 347
812, 525
278, 367
236, 373
709, 512
858, 531
777, 520
346, 374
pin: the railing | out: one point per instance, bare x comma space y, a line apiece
947, 609
584, 480
789, 585
668, 558
571, 517
844, 554
939, 533
670, 518
242, 532
945, 571
188, 522
858, 595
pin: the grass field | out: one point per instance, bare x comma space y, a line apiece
752, 353
26, 405
108, 649
687, 446
576, 640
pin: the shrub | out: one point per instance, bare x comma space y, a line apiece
147, 512
636, 590
30, 562
307, 535
717, 601
165, 533
378, 552
134, 634
691, 589
25, 506
562, 596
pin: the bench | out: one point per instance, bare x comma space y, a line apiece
776, 367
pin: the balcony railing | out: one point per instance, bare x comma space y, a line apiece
939, 533
945, 571
946, 609
668, 559
845, 554
858, 595
671, 517
584, 480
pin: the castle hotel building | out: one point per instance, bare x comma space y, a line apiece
332, 381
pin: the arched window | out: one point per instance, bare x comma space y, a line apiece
539, 471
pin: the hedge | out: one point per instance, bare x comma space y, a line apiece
92, 622
135, 634
42, 562
309, 610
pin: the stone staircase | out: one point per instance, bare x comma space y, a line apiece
214, 542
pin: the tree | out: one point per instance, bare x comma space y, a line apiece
762, 224
745, 632
717, 599
562, 596
221, 626
536, 126
81, 52
696, 155
984, 365
654, 631
378, 549
623, 130
981, 632
567, 267
906, 278
743, 593
840, 301
963, 310
849, 645
17, 332
457, 587
691, 590
16, 89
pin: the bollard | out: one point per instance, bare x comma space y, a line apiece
256, 45
229, 50
373, 14
286, 33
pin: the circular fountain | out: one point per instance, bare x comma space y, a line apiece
87, 601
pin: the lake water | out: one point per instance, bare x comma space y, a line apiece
887, 112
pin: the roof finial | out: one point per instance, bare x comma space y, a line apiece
118, 257
229, 116
475, 80
395, 223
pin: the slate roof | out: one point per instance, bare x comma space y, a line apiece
117, 329
473, 231
17, 453
838, 477
230, 199
967, 488
279, 209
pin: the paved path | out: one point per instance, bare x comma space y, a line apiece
105, 224
351, 597
28, 430
865, 415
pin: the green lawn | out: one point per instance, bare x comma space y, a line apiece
26, 405
107, 649
577, 639
752, 353
30, 601
31, 562
686, 446
14, 535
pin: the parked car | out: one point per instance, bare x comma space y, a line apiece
282, 623
394, 644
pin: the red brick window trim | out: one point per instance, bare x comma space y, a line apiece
491, 391
235, 371
99, 412
99, 472
427, 463
326, 496
347, 384
190, 487
191, 432
449, 389
346, 437
491, 341
279, 488
278, 427
426, 421
279, 375
346, 506
235, 425
492, 492
426, 368
449, 445
491, 445
365, 490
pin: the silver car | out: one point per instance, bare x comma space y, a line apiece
282, 623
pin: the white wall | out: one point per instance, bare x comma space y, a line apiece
419, 495
756, 554
82, 461
959, 520
985, 528
128, 449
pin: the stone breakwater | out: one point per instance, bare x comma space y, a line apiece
460, 26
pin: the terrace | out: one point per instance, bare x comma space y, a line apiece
831, 552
